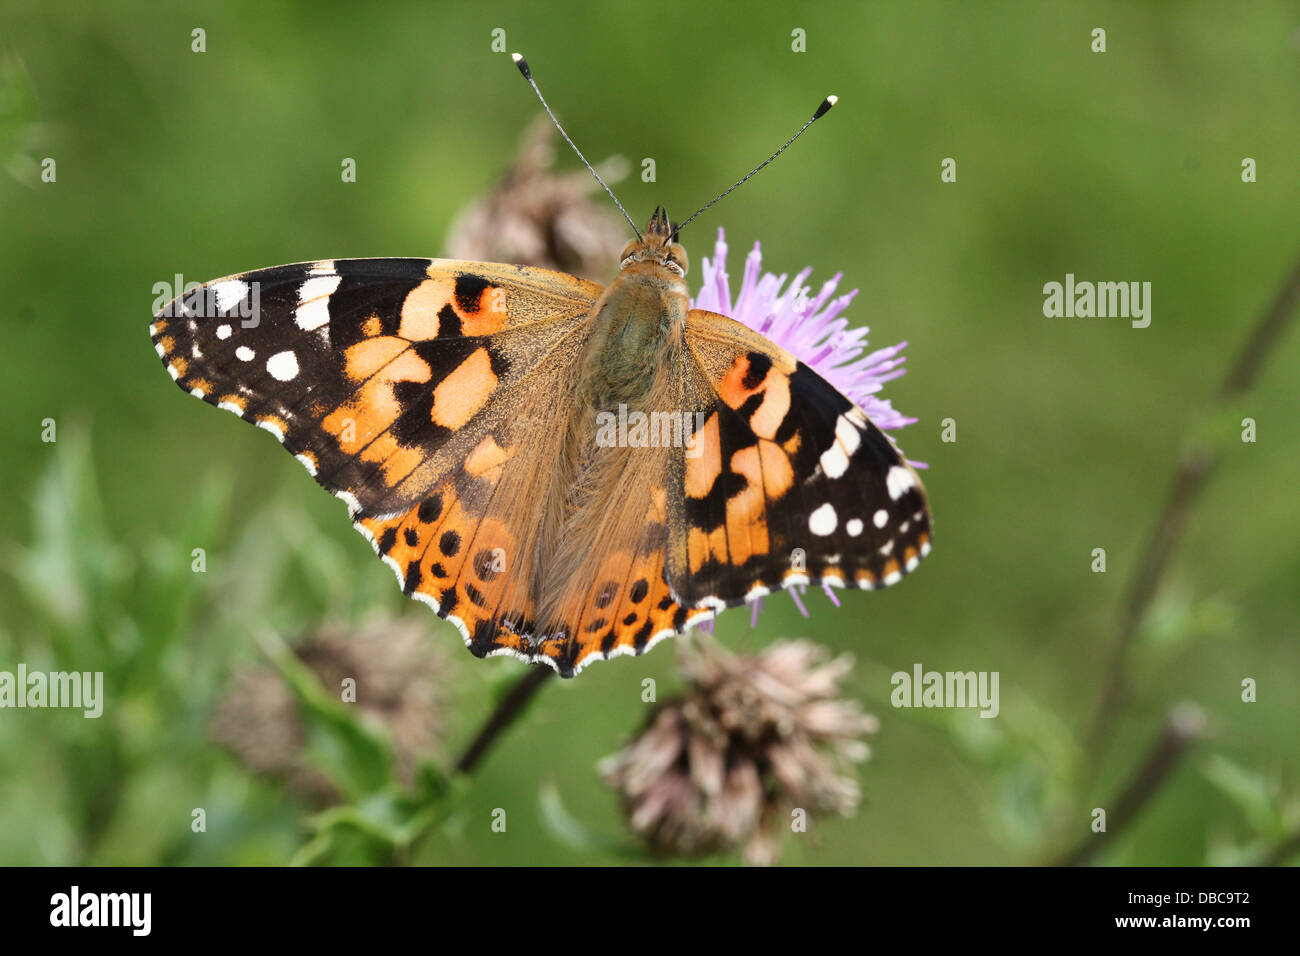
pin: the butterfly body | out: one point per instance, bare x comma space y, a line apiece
565, 472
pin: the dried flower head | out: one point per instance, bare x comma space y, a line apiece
536, 217
397, 672
751, 739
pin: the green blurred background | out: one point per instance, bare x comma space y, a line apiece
1117, 166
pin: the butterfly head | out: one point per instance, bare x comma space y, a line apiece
657, 245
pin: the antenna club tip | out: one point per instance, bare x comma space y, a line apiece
521, 63
826, 105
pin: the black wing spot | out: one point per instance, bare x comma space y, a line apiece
449, 543
607, 592
485, 565
430, 508
412, 578
485, 633
448, 322
475, 595
759, 364
469, 292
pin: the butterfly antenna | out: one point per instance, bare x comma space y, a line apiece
822, 110
528, 75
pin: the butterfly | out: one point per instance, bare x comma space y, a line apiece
465, 413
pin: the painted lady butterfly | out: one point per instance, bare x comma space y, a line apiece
455, 407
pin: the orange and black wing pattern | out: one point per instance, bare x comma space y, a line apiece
790, 483
408, 388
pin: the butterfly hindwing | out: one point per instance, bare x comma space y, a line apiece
791, 482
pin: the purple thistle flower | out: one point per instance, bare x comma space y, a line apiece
808, 327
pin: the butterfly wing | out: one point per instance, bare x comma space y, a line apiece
419, 391
790, 482
785, 483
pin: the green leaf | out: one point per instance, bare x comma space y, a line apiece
1254, 796
356, 757
571, 832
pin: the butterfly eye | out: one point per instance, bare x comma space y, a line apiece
676, 259
626, 254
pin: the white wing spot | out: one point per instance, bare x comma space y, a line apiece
282, 365
245, 354
823, 521
835, 460
229, 293
899, 481
223, 332
880, 518
854, 527
314, 302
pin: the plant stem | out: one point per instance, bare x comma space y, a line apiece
1183, 726
1193, 470
1279, 854
507, 710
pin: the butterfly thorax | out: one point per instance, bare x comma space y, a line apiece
637, 323
636, 332
630, 365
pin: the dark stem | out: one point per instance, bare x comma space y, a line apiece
1282, 852
507, 710
1183, 726
1194, 469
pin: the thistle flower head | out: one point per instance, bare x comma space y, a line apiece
751, 739
808, 326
